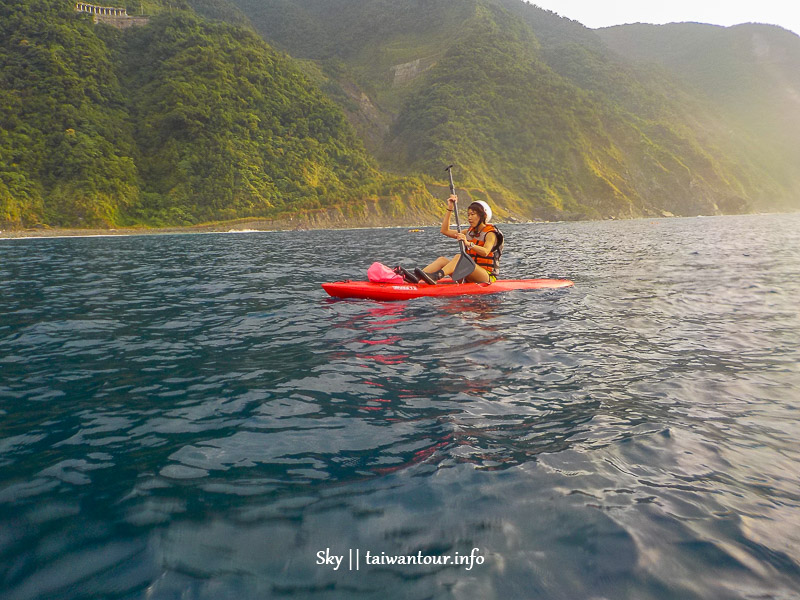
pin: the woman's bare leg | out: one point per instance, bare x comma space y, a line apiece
479, 275
437, 265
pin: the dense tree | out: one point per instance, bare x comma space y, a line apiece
65, 146
182, 121
228, 128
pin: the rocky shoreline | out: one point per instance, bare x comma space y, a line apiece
253, 225
373, 214
50, 232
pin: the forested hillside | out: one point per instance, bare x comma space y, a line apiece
66, 145
227, 128
537, 110
227, 109
178, 122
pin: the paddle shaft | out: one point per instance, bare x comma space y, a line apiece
455, 206
466, 264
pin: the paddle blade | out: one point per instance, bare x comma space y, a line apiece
464, 267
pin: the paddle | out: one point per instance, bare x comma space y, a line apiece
465, 265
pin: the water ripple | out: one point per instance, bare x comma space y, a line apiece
190, 416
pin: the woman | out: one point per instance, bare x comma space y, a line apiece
481, 241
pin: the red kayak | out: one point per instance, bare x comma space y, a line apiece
406, 291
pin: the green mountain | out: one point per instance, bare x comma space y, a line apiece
226, 109
541, 114
228, 128
181, 121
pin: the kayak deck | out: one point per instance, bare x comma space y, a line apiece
406, 291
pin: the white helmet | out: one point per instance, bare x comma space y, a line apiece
486, 209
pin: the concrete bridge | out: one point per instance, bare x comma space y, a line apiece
117, 17
101, 10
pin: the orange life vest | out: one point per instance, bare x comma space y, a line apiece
491, 261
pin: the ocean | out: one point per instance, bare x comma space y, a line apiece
191, 417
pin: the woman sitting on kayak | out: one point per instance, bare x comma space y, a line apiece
481, 241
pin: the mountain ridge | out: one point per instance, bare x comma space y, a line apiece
545, 118
667, 117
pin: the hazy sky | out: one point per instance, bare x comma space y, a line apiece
602, 13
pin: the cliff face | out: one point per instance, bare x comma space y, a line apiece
750, 74
122, 22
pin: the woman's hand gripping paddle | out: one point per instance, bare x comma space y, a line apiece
465, 265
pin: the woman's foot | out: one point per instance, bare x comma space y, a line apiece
426, 277
407, 275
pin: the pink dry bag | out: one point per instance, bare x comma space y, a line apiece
380, 273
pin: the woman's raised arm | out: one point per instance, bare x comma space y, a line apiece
451, 203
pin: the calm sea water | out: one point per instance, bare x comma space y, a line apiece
189, 416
